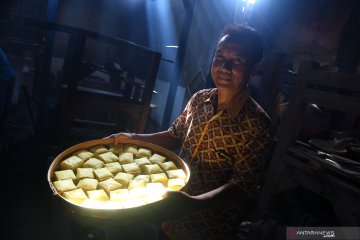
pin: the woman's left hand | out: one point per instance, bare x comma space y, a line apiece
180, 203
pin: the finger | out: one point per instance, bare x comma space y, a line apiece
165, 194
116, 139
168, 194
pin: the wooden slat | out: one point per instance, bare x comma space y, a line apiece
344, 103
338, 182
89, 34
344, 81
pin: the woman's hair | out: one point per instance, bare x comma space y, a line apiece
248, 36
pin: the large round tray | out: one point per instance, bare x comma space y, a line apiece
118, 214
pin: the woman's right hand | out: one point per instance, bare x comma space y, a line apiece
163, 139
120, 137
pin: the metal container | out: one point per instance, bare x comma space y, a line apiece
113, 214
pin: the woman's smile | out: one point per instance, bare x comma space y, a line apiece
225, 76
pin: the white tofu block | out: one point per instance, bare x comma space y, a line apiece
84, 173
98, 195
131, 168
137, 193
88, 184
176, 184
126, 157
178, 173
90, 203
64, 185
154, 192
76, 196
134, 203
155, 187
102, 174
113, 205
72, 163
166, 166
157, 158
145, 178
153, 168
119, 148
94, 204
154, 197
131, 148
143, 152
136, 184
98, 149
124, 178
65, 174
119, 195
159, 177
84, 154
108, 157
94, 163
109, 185
141, 162
114, 167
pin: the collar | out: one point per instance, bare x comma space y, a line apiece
212, 95
233, 108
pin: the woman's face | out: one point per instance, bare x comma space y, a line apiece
230, 67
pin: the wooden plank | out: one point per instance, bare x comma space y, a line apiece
344, 103
342, 81
89, 34
326, 177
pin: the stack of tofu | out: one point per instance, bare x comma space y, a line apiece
116, 176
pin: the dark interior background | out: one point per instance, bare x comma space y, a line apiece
185, 33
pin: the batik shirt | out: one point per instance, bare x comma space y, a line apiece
243, 134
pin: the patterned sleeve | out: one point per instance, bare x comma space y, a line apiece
177, 129
248, 170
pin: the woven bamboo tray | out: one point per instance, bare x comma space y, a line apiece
118, 214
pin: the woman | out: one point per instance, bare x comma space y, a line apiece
224, 136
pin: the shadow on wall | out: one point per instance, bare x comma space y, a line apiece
159, 99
